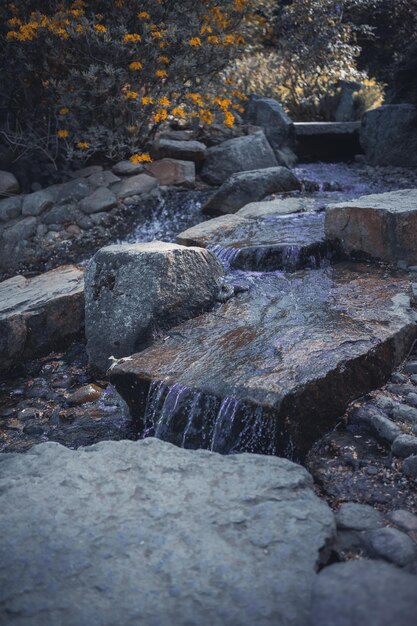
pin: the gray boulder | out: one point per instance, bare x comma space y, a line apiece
384, 428
382, 226
100, 200
173, 172
141, 533
182, 150
392, 545
103, 179
135, 185
127, 168
389, 135
134, 292
271, 117
23, 229
10, 208
245, 187
250, 152
364, 592
37, 202
39, 314
9, 185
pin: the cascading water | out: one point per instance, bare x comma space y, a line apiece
193, 419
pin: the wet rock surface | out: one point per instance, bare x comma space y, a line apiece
258, 370
38, 314
266, 244
135, 292
381, 226
55, 398
160, 535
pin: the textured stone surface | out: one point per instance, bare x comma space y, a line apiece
173, 172
404, 445
404, 520
389, 135
10, 208
135, 185
266, 244
278, 206
100, 200
382, 226
250, 152
410, 466
384, 428
271, 117
145, 533
37, 202
392, 545
127, 168
245, 187
9, 185
364, 592
290, 353
183, 150
39, 314
352, 516
134, 292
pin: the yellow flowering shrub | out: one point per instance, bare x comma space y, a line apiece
113, 70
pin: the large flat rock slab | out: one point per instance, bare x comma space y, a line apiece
272, 242
40, 314
274, 367
381, 226
141, 533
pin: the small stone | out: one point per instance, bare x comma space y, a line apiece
411, 399
127, 168
173, 172
404, 519
411, 367
353, 516
405, 412
410, 467
87, 393
73, 230
400, 389
391, 545
10, 208
103, 179
404, 445
9, 185
414, 379
85, 172
384, 402
37, 202
142, 183
33, 429
100, 200
397, 377
23, 229
28, 413
385, 428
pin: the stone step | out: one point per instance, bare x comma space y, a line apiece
273, 368
329, 141
381, 226
274, 242
39, 314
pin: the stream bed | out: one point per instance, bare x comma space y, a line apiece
55, 398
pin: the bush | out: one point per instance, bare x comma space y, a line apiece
312, 52
85, 78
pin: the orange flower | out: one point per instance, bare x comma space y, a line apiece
62, 134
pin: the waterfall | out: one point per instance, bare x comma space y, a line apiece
226, 256
193, 419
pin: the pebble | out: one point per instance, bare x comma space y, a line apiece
353, 516
411, 399
410, 467
28, 414
33, 429
397, 377
392, 545
404, 445
385, 428
404, 519
88, 393
405, 412
411, 367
